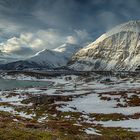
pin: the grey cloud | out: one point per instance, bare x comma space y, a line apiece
65, 18
41, 39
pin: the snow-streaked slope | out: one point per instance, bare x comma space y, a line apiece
56, 57
117, 49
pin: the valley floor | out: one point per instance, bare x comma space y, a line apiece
72, 107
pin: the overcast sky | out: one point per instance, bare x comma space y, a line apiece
32, 25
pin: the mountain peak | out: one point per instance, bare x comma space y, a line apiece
131, 26
44, 51
55, 57
117, 49
67, 47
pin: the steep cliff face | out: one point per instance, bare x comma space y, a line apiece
117, 49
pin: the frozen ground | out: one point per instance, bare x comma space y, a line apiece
98, 96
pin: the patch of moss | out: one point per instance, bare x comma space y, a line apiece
107, 117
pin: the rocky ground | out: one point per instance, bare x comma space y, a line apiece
74, 107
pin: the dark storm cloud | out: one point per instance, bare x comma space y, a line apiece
66, 16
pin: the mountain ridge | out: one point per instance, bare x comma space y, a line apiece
45, 59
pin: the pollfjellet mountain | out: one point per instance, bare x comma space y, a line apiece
117, 49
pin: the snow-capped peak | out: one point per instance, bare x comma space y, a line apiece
131, 26
67, 47
55, 57
44, 51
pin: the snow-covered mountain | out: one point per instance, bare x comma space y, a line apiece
46, 58
117, 49
56, 57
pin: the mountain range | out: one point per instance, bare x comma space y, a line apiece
117, 49
45, 59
